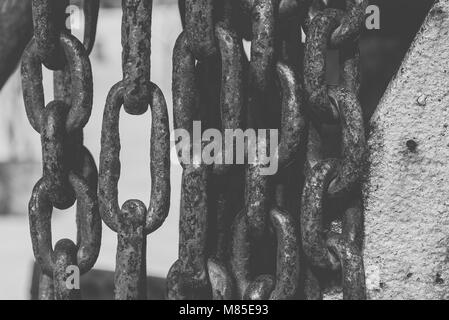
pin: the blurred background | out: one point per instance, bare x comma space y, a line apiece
20, 168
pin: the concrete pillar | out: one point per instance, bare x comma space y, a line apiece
406, 190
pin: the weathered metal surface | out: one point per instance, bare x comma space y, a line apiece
136, 55
287, 264
133, 221
258, 257
69, 171
80, 73
331, 185
406, 203
48, 21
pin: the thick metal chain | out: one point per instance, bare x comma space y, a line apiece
275, 70
332, 185
69, 171
133, 221
241, 233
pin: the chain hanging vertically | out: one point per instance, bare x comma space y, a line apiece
187, 278
241, 232
69, 171
273, 95
133, 221
332, 186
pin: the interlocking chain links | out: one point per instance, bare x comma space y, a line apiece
202, 92
227, 180
236, 261
336, 180
48, 22
259, 202
187, 278
220, 189
184, 281
333, 184
159, 165
79, 63
55, 262
57, 163
265, 26
294, 130
69, 171
133, 222
136, 55
261, 72
340, 28
265, 286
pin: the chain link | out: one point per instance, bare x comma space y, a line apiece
136, 55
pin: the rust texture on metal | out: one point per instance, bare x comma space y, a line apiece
81, 81
134, 221
332, 185
243, 234
136, 55
69, 170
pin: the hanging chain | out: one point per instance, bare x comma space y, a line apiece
332, 186
69, 171
242, 233
237, 262
133, 221
187, 278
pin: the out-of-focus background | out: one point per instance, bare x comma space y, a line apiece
382, 51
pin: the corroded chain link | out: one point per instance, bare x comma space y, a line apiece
69, 171
133, 221
136, 63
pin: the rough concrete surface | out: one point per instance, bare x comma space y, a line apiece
407, 183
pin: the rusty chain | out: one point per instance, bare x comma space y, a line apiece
242, 234
133, 221
69, 171
274, 70
332, 190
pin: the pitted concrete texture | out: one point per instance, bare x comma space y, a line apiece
407, 183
